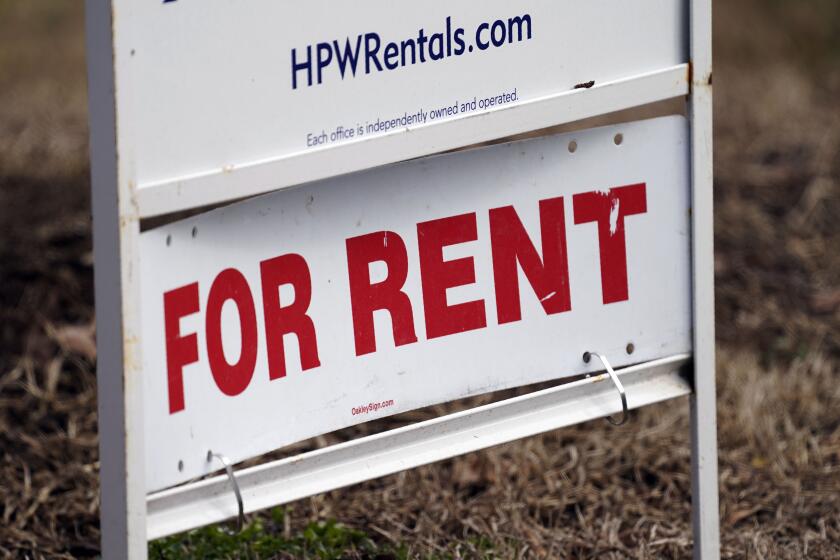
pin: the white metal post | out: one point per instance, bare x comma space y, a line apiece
116, 231
704, 467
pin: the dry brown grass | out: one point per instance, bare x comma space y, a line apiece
591, 491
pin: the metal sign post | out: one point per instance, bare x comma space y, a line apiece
116, 234
234, 332
704, 455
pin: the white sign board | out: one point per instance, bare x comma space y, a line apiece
305, 311
347, 297
250, 82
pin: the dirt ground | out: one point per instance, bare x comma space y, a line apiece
592, 491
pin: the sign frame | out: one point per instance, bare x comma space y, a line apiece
129, 516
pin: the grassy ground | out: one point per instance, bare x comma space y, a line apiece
591, 491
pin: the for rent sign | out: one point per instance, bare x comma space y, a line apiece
308, 310
369, 281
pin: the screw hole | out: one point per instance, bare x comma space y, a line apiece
619, 138
194, 231
573, 146
630, 348
586, 357
168, 240
180, 466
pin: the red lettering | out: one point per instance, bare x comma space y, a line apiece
180, 350
291, 319
549, 275
365, 298
437, 275
231, 379
609, 210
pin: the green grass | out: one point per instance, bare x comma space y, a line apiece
263, 538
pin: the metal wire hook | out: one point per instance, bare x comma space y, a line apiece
618, 385
240, 520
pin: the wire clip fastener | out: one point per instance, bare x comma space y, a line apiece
624, 411
240, 521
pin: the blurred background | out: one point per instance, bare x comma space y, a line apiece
592, 491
